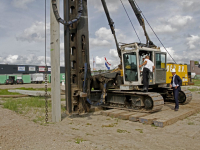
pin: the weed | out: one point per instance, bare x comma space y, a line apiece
190, 123
89, 134
23, 103
196, 82
63, 109
153, 125
34, 89
74, 129
110, 125
140, 130
121, 131
32, 105
5, 92
78, 140
193, 89
38, 119
108, 119
88, 124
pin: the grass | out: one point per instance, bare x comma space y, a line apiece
193, 89
110, 125
121, 131
190, 123
88, 124
196, 82
79, 140
63, 109
74, 129
22, 103
140, 130
5, 92
39, 119
33, 107
34, 89
154, 126
89, 134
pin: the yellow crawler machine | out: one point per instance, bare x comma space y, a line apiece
181, 70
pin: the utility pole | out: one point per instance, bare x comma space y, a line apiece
55, 65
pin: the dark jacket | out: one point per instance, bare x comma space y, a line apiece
178, 81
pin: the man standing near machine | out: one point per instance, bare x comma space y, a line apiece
176, 85
148, 67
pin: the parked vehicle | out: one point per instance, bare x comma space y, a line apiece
19, 81
37, 78
9, 81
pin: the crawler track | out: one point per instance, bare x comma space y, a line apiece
185, 96
154, 99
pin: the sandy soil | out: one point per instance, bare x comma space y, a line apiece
91, 131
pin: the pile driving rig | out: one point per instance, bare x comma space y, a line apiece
120, 88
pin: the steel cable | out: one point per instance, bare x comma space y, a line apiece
130, 21
154, 32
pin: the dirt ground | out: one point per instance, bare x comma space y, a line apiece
94, 131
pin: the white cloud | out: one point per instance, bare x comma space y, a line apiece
62, 46
170, 51
104, 37
21, 3
113, 59
173, 24
97, 42
99, 60
165, 29
179, 21
112, 5
104, 33
193, 42
24, 60
182, 56
190, 5
113, 53
35, 33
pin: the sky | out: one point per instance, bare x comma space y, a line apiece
176, 22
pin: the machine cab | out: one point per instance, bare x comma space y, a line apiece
133, 56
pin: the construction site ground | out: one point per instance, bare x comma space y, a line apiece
104, 129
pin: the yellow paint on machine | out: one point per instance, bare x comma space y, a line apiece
181, 70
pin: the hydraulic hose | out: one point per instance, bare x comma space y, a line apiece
59, 19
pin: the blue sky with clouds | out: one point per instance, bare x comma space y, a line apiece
176, 22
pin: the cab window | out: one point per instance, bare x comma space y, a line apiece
160, 61
130, 67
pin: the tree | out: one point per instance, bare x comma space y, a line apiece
196, 63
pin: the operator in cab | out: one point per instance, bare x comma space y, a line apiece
141, 62
176, 86
148, 67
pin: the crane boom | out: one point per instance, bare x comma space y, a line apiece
149, 43
111, 24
